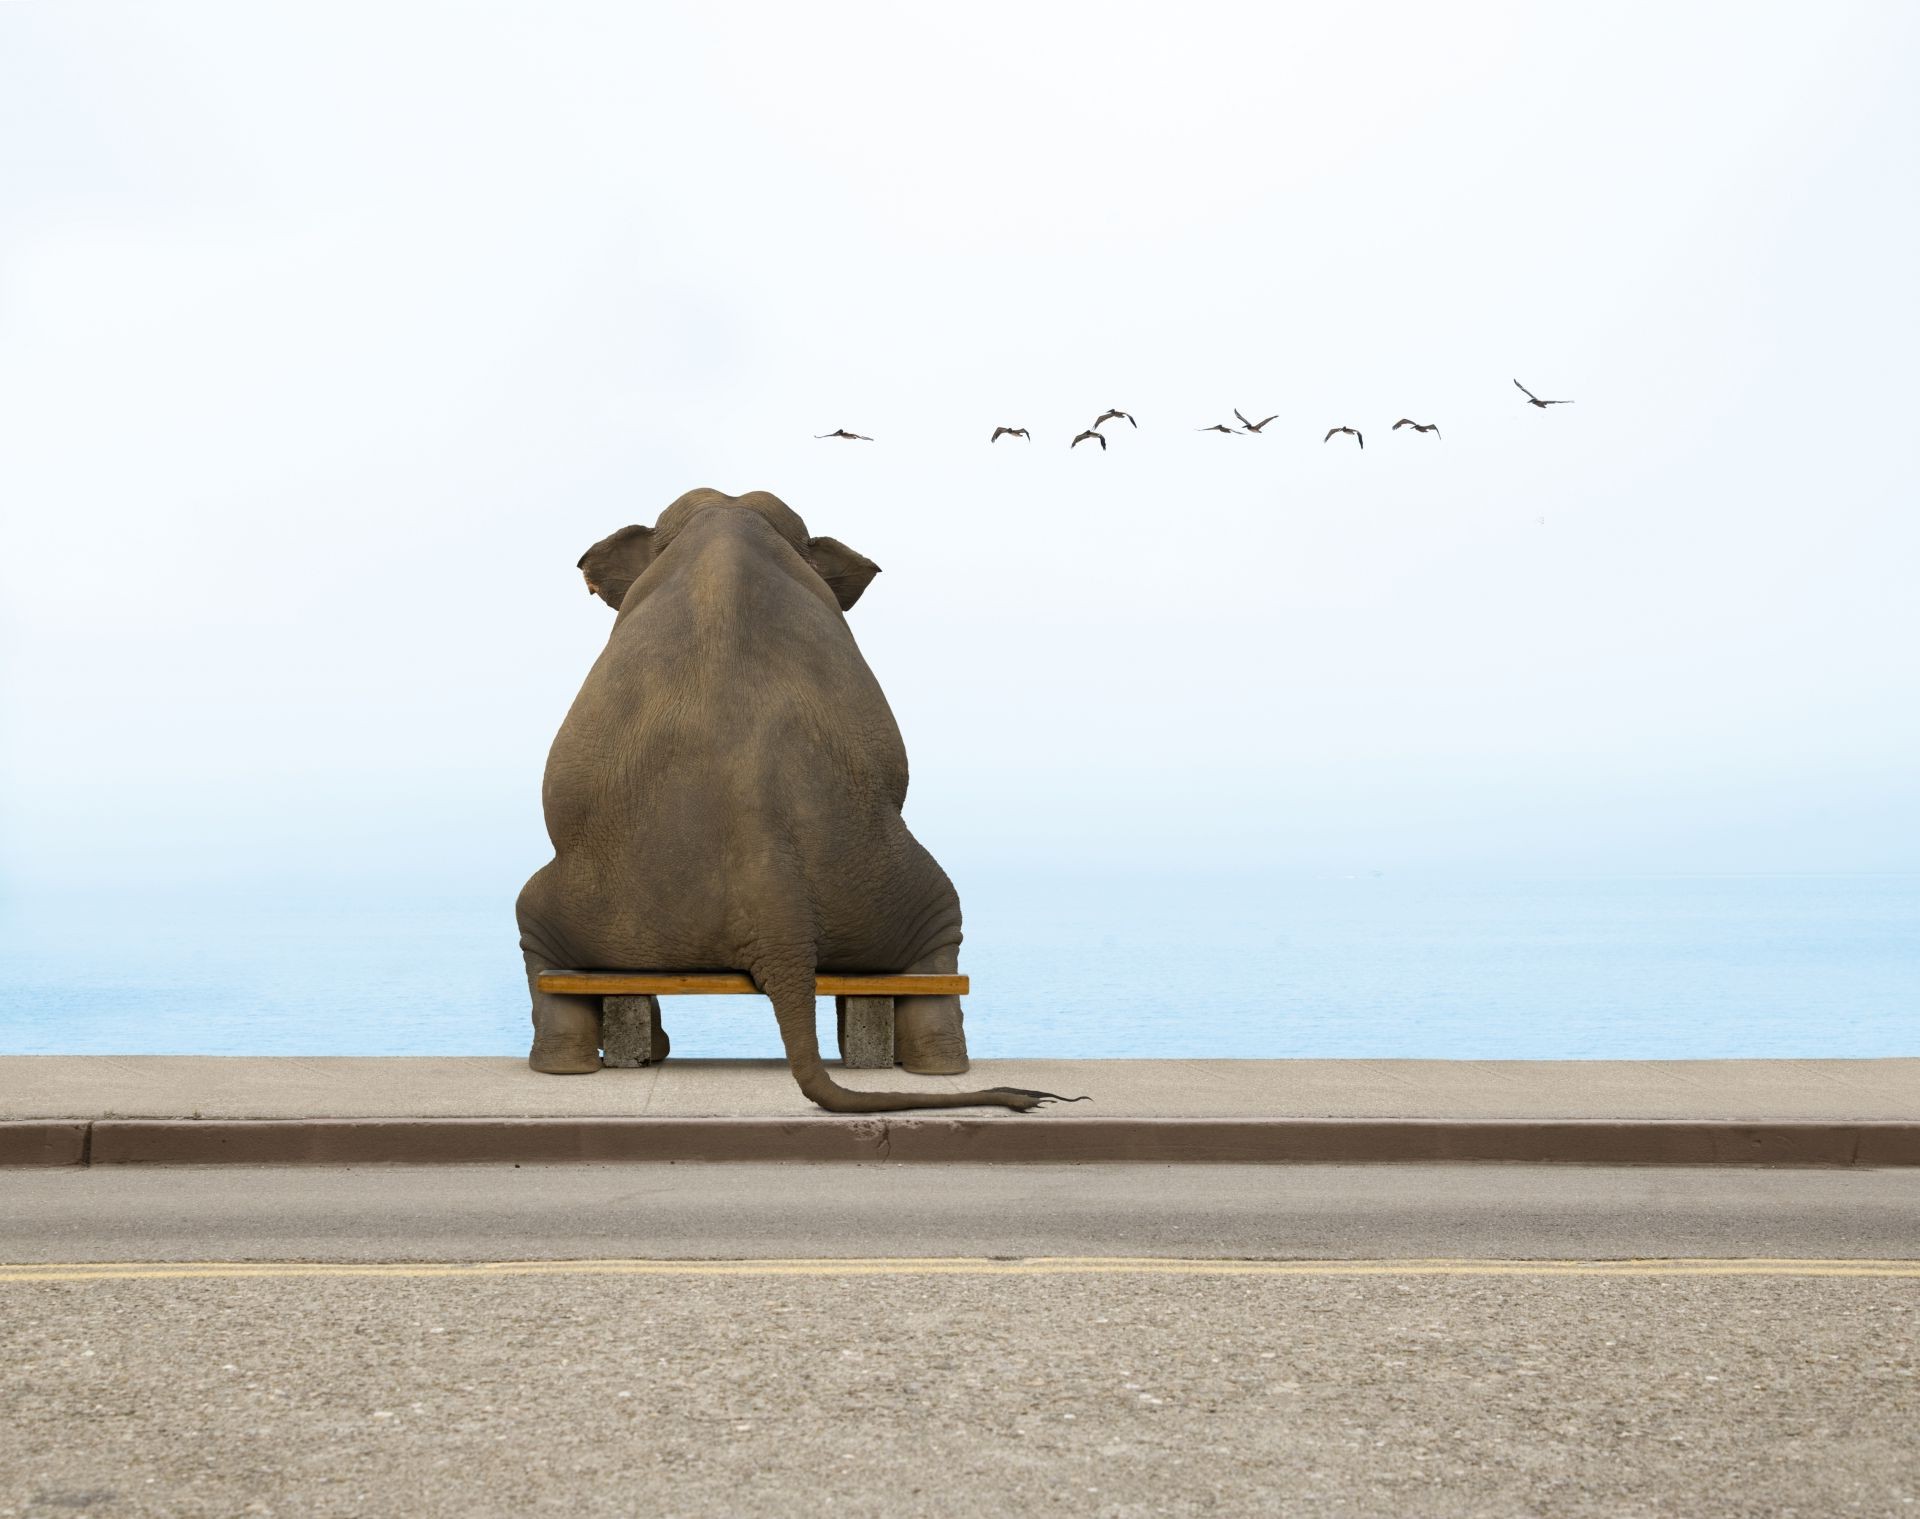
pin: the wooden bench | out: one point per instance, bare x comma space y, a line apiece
864, 1005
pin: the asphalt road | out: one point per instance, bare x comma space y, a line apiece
503, 1213
1231, 1376
826, 1390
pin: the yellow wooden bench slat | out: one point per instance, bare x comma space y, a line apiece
641, 983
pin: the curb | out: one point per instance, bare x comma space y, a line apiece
1000, 1141
44, 1143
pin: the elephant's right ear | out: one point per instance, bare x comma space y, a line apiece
846, 571
616, 561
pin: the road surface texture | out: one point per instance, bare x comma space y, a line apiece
1188, 1356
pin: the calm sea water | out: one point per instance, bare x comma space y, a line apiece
1372, 966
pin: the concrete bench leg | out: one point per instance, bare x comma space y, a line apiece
866, 1032
626, 1030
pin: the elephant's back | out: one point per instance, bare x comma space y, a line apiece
730, 696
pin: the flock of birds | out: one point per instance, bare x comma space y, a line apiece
1247, 425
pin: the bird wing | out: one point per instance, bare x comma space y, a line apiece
1264, 421
1129, 416
1242, 416
1406, 422
1525, 392
1330, 432
1361, 436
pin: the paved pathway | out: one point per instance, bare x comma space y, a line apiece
185, 1086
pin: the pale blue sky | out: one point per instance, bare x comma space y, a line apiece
330, 335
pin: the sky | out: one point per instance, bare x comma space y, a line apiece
330, 336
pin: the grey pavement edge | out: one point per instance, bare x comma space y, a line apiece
732, 1212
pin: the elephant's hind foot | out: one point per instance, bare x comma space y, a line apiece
566, 1036
929, 1037
566, 1029
564, 1056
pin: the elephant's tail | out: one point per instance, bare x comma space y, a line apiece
787, 980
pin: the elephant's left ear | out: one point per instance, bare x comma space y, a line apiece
616, 561
846, 572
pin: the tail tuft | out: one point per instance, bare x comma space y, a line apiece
1036, 1099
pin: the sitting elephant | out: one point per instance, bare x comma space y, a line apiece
725, 794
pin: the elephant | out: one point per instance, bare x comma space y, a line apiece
725, 794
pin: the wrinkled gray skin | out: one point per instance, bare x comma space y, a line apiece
725, 794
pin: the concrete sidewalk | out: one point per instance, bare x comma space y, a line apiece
237, 1086
105, 1109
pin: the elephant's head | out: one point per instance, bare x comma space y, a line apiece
613, 564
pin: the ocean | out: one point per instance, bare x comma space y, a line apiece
1173, 966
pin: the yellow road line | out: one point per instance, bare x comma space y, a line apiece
136, 1271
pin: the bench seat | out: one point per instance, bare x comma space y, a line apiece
629, 1008
714, 983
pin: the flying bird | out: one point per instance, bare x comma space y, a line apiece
841, 432
1354, 430
1011, 432
1535, 400
1252, 426
1219, 427
1108, 416
1432, 427
1094, 434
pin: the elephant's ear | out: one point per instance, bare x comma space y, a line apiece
616, 561
846, 572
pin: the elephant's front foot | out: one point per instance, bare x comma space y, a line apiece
929, 1036
566, 1038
